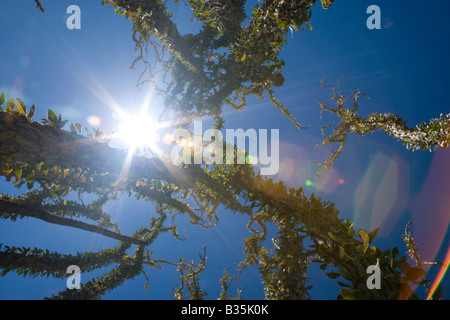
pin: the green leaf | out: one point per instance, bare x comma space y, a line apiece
30, 176
401, 261
343, 284
345, 273
39, 166
10, 105
365, 238
373, 234
20, 109
52, 116
333, 275
18, 173
31, 112
282, 25
342, 253
72, 128
326, 4
350, 231
394, 253
352, 294
61, 124
294, 27
22, 104
2, 98
375, 251
324, 249
65, 173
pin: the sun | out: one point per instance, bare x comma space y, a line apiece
138, 132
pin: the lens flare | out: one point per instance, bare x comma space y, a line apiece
298, 169
430, 213
251, 160
440, 275
138, 131
168, 138
94, 121
382, 194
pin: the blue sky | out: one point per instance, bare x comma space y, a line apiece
403, 67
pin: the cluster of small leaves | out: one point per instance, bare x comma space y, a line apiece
190, 279
55, 204
225, 61
50, 186
284, 268
418, 271
34, 262
20, 107
189, 287
73, 173
128, 268
225, 283
237, 188
39, 6
226, 16
53, 120
326, 3
425, 136
352, 269
335, 243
